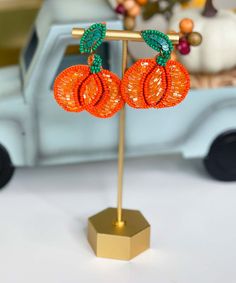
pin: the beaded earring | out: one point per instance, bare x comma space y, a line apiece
158, 82
89, 88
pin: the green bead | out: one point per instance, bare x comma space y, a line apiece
97, 64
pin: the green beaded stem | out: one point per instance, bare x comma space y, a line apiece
96, 65
92, 38
160, 42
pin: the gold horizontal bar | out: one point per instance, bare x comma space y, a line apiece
122, 35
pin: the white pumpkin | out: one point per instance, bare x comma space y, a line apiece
217, 51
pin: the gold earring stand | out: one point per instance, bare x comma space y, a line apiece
116, 232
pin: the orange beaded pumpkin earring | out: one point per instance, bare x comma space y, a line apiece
89, 88
155, 83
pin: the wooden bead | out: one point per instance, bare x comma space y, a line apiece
142, 2
135, 11
129, 4
129, 23
194, 38
186, 25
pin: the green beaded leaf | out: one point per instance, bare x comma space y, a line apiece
92, 38
159, 42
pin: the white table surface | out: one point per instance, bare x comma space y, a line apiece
44, 211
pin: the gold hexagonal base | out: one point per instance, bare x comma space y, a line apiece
118, 242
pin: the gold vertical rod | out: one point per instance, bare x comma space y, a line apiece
125, 36
121, 150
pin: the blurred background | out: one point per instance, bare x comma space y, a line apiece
18, 16
204, 124
16, 20
44, 210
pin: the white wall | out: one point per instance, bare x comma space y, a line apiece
225, 3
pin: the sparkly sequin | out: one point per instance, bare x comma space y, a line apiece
155, 86
91, 91
147, 84
132, 87
76, 89
178, 84
64, 87
111, 101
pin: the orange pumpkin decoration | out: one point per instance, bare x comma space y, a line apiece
110, 101
64, 86
186, 25
158, 82
147, 84
89, 88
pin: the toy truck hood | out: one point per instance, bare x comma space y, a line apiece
10, 82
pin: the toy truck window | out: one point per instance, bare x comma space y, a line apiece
30, 49
73, 57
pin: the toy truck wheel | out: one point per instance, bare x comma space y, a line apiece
6, 167
221, 159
